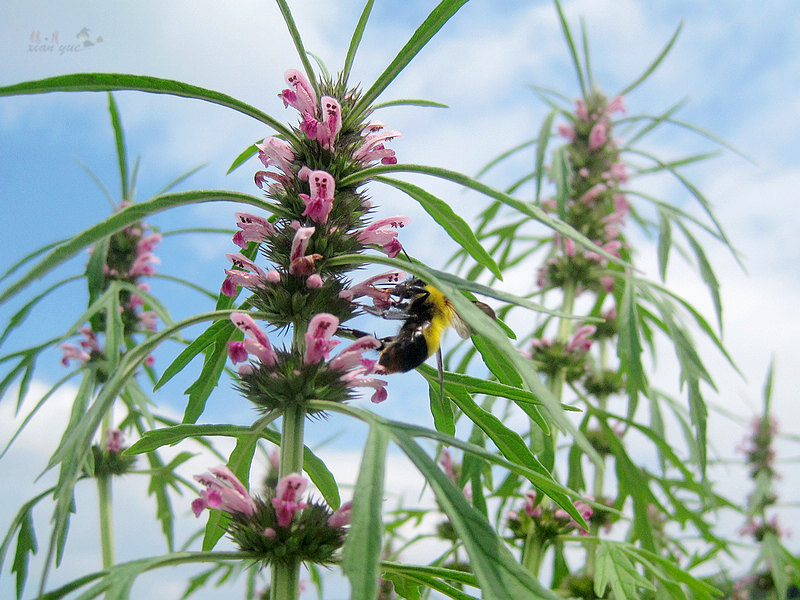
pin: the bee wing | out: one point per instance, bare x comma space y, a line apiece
461, 327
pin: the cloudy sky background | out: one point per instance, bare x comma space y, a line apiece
737, 63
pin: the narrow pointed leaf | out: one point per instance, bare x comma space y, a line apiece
454, 226
362, 549
433, 23
122, 154
358, 32
104, 82
652, 67
127, 216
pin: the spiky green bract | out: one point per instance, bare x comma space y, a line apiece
290, 382
308, 538
604, 383
292, 301
580, 270
108, 463
550, 359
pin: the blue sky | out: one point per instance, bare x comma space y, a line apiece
736, 62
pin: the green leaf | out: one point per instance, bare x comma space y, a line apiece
168, 436
19, 317
613, 568
26, 546
362, 549
120, 220
649, 70
572, 51
460, 232
358, 33
664, 242
629, 347
180, 179
251, 150
499, 574
410, 102
768, 386
524, 208
104, 82
122, 157
433, 23
298, 44
218, 332
561, 173
200, 390
441, 410
706, 272
541, 151
538, 476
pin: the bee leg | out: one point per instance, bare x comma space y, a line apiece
440, 367
355, 334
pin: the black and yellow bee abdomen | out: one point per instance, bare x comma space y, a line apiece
429, 315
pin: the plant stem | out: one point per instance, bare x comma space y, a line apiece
286, 577
533, 552
104, 503
106, 520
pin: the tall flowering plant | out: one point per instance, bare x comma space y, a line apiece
308, 228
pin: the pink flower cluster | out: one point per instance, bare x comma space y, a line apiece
223, 491
356, 370
558, 516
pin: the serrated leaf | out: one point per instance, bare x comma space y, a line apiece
613, 568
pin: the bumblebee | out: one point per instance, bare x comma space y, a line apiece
426, 314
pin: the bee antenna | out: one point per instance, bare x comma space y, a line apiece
406, 254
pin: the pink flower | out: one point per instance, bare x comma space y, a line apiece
318, 337
616, 105
143, 265
256, 341
598, 136
148, 244
446, 461
593, 193
300, 263
381, 298
114, 440
324, 132
372, 148
580, 340
274, 151
147, 319
341, 517
380, 234
223, 491
581, 111
253, 229
566, 131
301, 95
251, 278
320, 202
286, 502
358, 369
